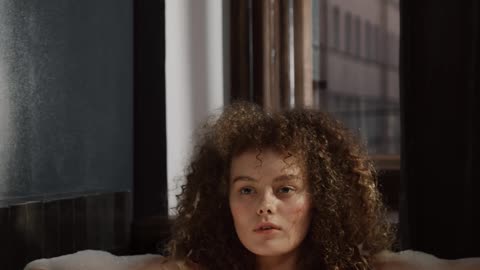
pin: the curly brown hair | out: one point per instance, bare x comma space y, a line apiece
349, 223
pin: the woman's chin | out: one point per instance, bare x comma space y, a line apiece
270, 250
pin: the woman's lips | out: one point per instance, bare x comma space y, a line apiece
266, 227
266, 232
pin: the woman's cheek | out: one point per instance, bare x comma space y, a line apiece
301, 212
300, 206
304, 206
238, 208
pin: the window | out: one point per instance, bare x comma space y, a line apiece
381, 45
336, 28
355, 89
375, 47
358, 35
368, 40
391, 45
348, 34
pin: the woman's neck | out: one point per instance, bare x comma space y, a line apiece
283, 262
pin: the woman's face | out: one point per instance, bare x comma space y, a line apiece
269, 201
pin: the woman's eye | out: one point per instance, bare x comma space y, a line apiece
286, 190
246, 190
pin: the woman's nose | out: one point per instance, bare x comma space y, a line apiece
264, 211
266, 205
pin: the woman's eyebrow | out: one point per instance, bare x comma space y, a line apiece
286, 177
243, 178
280, 178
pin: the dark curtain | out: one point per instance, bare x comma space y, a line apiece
150, 136
440, 211
150, 225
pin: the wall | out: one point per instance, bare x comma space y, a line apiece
66, 87
65, 97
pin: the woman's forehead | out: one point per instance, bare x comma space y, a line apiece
265, 159
266, 153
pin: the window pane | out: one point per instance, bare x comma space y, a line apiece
336, 28
361, 89
357, 36
348, 24
368, 40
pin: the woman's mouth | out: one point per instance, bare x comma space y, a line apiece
266, 227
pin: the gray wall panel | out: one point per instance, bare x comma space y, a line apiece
66, 79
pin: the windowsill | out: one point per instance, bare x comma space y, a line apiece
386, 162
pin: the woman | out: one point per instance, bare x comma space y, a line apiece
299, 168
288, 190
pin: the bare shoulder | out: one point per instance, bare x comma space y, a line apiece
168, 264
415, 260
407, 260
387, 260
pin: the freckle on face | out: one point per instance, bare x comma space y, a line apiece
300, 209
